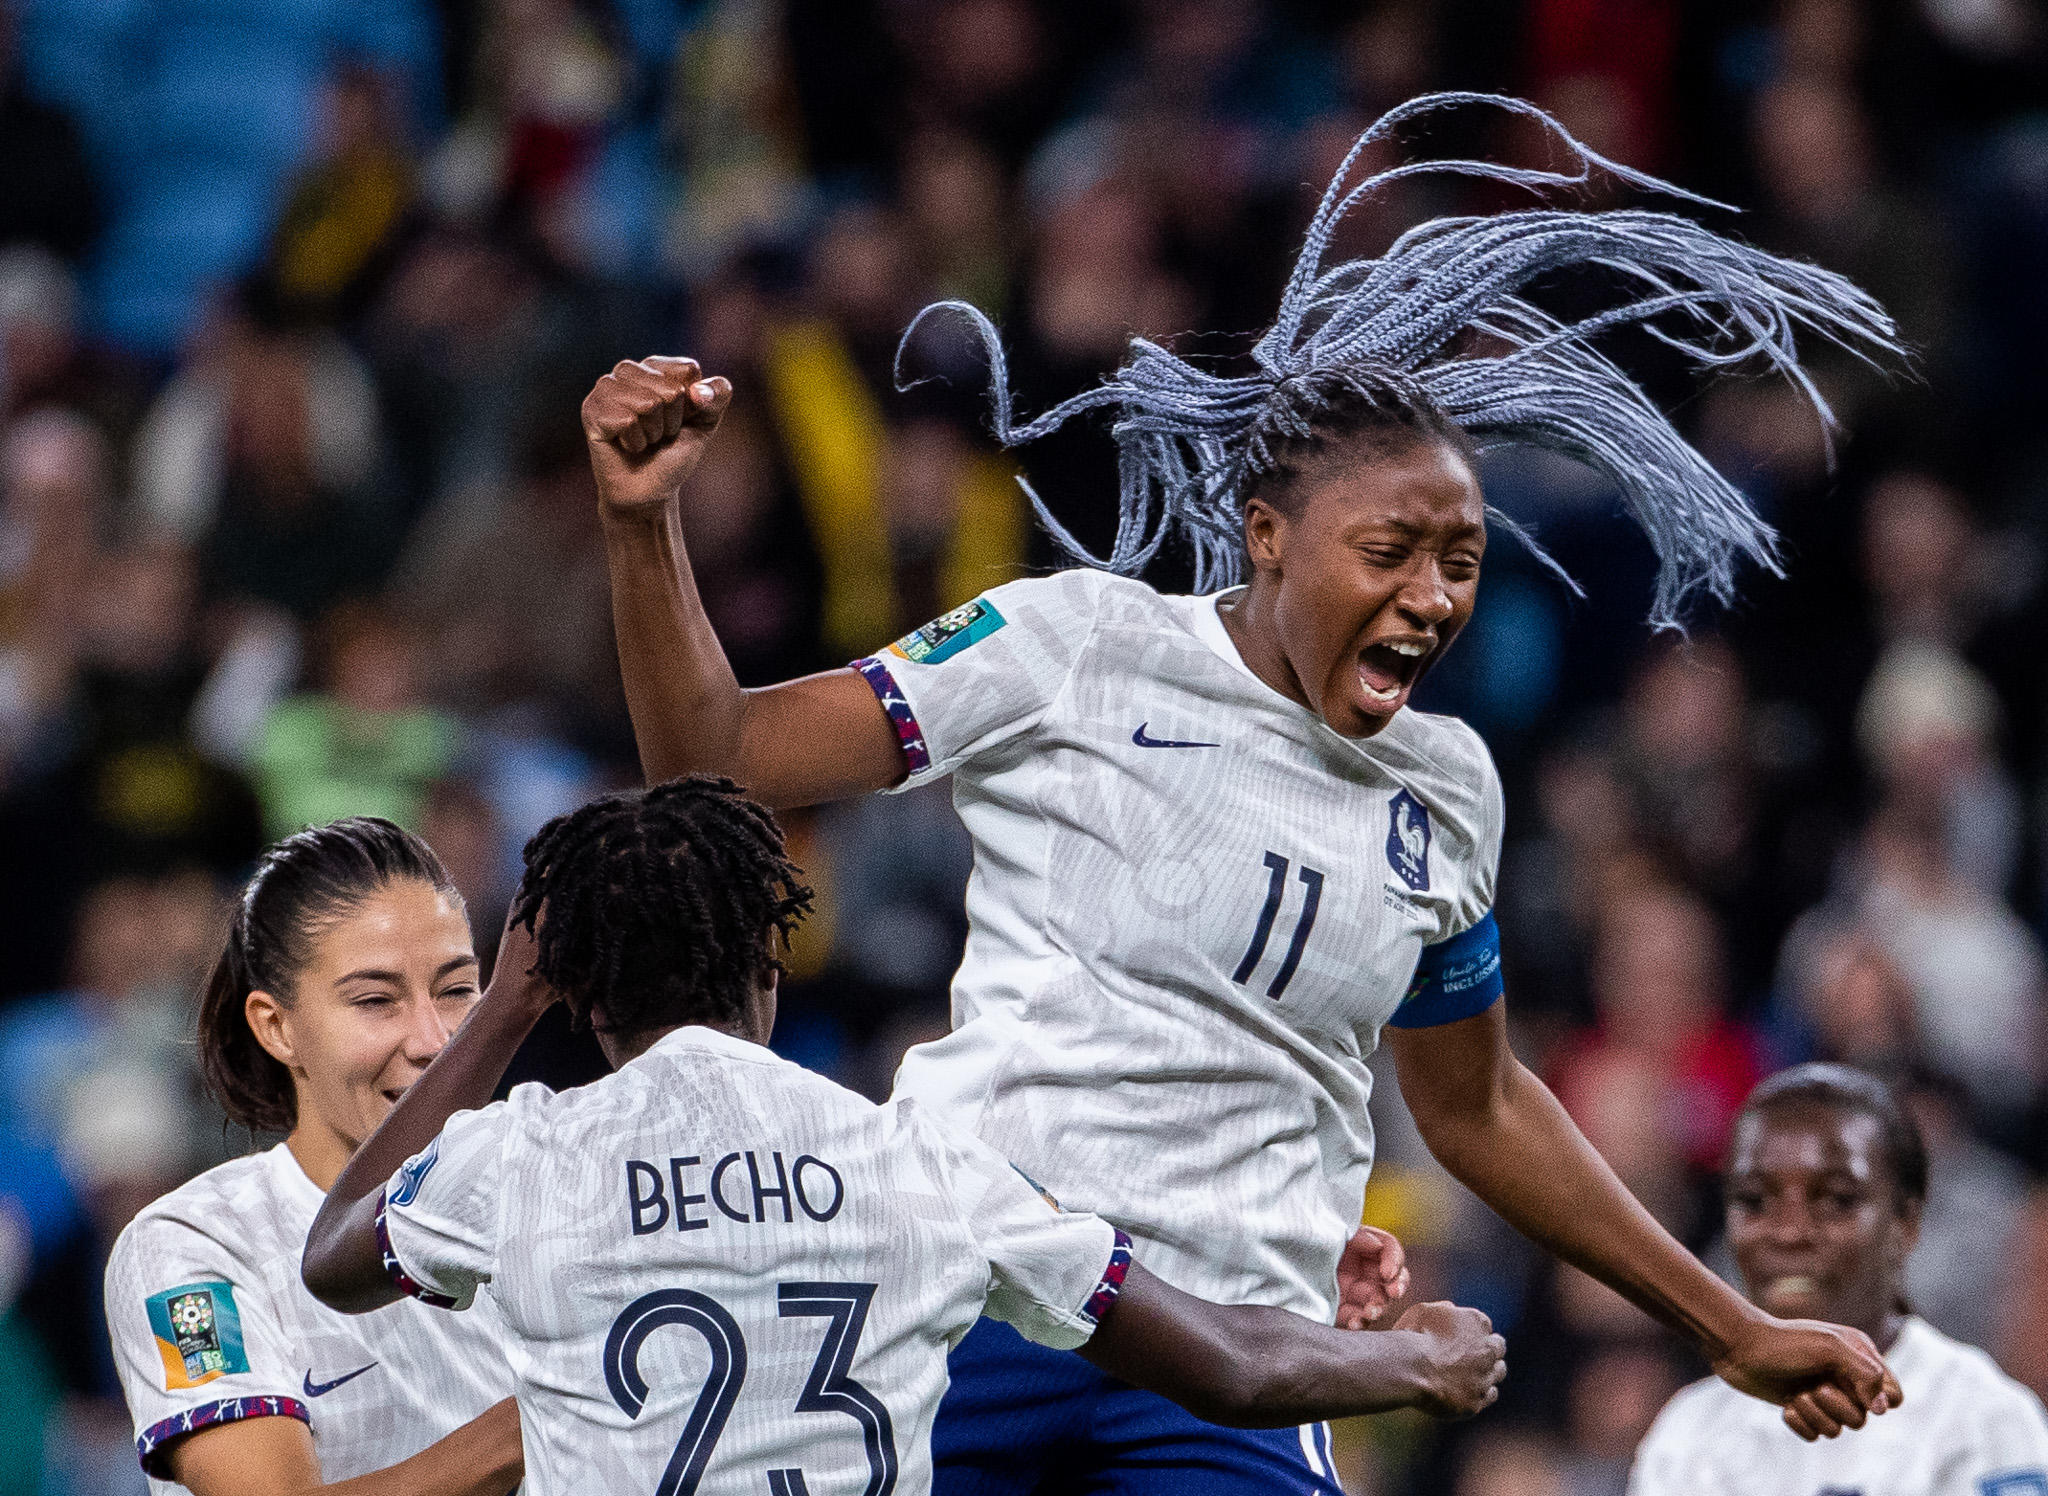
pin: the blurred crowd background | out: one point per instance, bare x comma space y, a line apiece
297, 302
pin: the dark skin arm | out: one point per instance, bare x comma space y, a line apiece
274, 1457
798, 743
342, 1266
1252, 1367
1501, 1132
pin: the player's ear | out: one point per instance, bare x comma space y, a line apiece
266, 1017
1264, 528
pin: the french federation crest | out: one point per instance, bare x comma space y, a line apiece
1408, 840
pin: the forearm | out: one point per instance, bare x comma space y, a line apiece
275, 1457
343, 1266
482, 1458
1524, 1156
1251, 1367
686, 705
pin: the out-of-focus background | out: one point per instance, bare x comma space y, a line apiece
297, 302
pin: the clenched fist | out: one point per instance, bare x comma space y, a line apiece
647, 424
1462, 1361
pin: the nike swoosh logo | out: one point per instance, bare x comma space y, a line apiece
1142, 741
321, 1389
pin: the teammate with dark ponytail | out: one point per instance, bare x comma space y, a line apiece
346, 967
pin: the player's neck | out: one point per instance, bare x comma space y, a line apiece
321, 1151
1248, 619
623, 1049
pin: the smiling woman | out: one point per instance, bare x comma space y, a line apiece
1825, 1182
347, 967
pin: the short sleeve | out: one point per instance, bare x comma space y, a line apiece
1053, 1273
985, 673
438, 1219
197, 1338
2008, 1454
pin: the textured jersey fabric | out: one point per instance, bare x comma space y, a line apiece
1965, 1429
211, 1324
1193, 906
718, 1258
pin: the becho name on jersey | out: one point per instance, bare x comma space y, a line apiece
737, 1186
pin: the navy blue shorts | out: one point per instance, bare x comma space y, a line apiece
1022, 1419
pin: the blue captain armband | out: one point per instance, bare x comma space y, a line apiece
1454, 979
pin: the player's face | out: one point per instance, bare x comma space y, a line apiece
384, 988
1813, 1219
1378, 571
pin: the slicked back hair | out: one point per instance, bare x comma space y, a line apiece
1851, 1092
662, 906
1439, 332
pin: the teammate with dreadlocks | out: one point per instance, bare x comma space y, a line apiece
715, 1188
1216, 857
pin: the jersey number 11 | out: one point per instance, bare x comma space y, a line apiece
1276, 890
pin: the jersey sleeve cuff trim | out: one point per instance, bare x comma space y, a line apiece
1111, 1284
405, 1281
908, 733
149, 1444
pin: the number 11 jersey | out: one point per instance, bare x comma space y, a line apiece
1193, 907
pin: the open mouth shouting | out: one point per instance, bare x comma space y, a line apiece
1388, 668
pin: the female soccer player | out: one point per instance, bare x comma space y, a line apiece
347, 966
826, 1250
1825, 1181
1216, 856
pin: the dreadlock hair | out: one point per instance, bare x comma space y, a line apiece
1857, 1093
662, 906
301, 885
1437, 337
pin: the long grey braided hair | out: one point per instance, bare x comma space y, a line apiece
1436, 333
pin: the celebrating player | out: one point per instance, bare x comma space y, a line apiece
1825, 1181
1216, 856
347, 966
810, 1256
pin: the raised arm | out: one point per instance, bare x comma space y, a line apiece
823, 737
1253, 1367
1499, 1130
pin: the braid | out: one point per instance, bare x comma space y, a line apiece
663, 906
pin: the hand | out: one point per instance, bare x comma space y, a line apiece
647, 425
1825, 1377
1463, 1361
514, 982
1371, 1275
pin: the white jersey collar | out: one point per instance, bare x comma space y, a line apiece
696, 1036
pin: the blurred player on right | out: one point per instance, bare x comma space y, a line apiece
1825, 1183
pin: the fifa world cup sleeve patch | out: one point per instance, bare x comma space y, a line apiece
1455, 979
949, 633
198, 1333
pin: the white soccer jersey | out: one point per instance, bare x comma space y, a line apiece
1965, 1429
1193, 906
211, 1323
725, 1274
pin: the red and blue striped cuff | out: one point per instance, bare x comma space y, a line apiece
1112, 1283
150, 1442
908, 733
405, 1281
